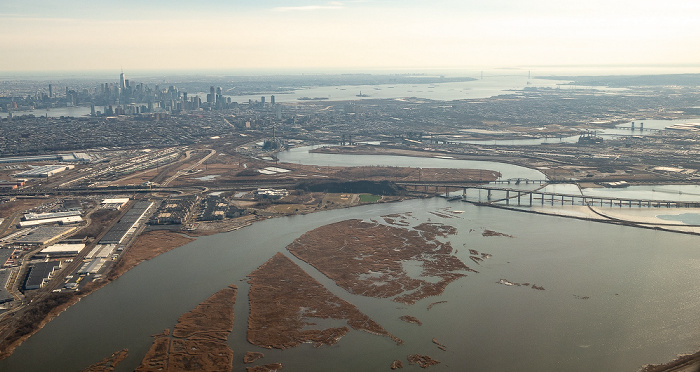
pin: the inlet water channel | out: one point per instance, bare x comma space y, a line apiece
615, 297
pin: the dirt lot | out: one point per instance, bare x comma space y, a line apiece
20, 205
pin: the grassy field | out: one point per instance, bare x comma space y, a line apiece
369, 198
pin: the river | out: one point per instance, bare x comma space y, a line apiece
488, 86
491, 85
615, 297
74, 111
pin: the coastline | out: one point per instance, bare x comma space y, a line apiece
136, 254
683, 363
144, 249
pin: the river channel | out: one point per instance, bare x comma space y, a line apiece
614, 298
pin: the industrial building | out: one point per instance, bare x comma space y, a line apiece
72, 157
22, 159
41, 216
101, 251
61, 250
62, 218
91, 267
5, 295
44, 235
72, 205
44, 171
59, 220
5, 255
271, 193
78, 157
115, 204
40, 274
128, 223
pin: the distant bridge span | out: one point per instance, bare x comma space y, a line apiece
511, 196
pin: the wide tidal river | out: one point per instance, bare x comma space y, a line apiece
614, 298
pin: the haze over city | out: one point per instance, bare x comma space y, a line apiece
366, 185
43, 35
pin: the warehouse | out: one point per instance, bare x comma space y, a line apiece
91, 267
44, 171
6, 256
41, 216
101, 251
80, 157
44, 235
127, 224
271, 193
59, 220
5, 296
40, 274
114, 203
22, 159
61, 250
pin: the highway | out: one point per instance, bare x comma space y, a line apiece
190, 168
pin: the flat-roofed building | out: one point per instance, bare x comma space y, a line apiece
22, 159
114, 203
5, 295
44, 235
271, 193
59, 220
76, 157
41, 216
5, 255
92, 267
101, 251
128, 223
62, 250
44, 171
40, 274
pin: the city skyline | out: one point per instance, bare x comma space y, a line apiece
352, 35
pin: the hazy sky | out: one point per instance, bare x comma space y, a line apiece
352, 35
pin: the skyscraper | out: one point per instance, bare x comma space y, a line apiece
122, 81
211, 97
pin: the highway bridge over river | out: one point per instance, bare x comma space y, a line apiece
491, 194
